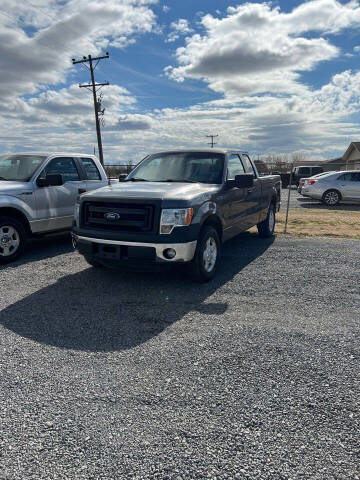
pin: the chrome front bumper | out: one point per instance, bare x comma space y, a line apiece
184, 251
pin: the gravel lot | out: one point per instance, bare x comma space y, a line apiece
108, 375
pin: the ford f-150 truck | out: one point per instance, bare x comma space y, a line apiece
38, 192
176, 207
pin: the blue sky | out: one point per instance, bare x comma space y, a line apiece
140, 66
269, 77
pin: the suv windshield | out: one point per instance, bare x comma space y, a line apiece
180, 167
19, 168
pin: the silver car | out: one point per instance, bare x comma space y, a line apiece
334, 188
304, 181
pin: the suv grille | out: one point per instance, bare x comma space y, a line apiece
117, 216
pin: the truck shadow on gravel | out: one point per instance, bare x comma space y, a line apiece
103, 310
41, 248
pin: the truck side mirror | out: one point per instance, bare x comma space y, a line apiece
122, 177
246, 180
51, 180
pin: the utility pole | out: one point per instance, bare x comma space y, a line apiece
212, 143
94, 88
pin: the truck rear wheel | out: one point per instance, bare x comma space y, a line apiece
204, 265
267, 227
12, 239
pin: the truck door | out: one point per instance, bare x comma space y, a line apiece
92, 174
254, 195
55, 205
234, 200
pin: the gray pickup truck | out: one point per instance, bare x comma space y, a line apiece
176, 207
38, 192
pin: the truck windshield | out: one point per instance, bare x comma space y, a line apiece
19, 168
180, 167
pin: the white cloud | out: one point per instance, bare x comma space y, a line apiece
63, 29
313, 123
181, 27
257, 48
263, 106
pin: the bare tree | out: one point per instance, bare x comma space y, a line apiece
280, 163
298, 158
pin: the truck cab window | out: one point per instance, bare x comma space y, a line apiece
247, 165
304, 171
235, 167
90, 168
64, 166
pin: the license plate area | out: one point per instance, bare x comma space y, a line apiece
110, 252
123, 252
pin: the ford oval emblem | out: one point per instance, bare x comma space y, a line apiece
112, 216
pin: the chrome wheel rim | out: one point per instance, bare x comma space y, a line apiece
271, 220
9, 240
331, 198
210, 255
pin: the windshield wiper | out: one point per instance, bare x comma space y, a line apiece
2, 178
179, 181
134, 179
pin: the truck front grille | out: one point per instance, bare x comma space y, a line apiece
129, 217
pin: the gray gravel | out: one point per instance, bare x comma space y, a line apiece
108, 375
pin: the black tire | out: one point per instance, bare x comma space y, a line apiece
93, 262
266, 228
17, 235
197, 268
331, 198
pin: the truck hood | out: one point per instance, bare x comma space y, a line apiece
14, 188
153, 190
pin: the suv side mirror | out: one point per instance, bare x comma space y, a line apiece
122, 177
246, 180
51, 180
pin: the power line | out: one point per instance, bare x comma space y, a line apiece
212, 143
94, 88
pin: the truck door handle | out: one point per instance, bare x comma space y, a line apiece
81, 190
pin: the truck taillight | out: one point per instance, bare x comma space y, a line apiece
311, 182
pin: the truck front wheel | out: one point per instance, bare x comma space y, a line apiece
267, 227
12, 239
204, 265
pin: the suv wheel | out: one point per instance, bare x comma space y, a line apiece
266, 228
331, 198
12, 239
204, 265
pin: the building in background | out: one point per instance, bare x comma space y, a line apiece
349, 161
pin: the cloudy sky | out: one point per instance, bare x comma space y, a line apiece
270, 77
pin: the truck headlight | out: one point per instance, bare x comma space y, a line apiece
77, 213
175, 217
